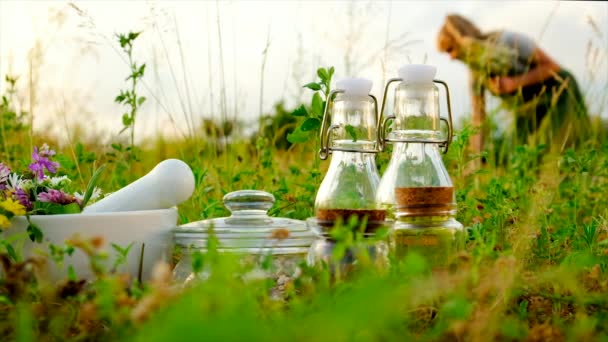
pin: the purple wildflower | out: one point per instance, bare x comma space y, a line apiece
23, 198
56, 196
42, 161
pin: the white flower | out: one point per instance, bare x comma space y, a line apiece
95, 195
58, 181
79, 196
14, 182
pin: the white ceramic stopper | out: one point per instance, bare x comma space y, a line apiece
168, 184
355, 86
417, 73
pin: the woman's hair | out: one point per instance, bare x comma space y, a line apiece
464, 26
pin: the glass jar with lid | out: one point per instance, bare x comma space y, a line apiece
250, 234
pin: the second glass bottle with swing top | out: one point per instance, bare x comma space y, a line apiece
416, 189
348, 190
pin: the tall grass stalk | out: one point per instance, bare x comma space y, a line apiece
550, 17
180, 96
223, 103
34, 61
384, 60
596, 65
235, 93
185, 76
210, 72
71, 142
262, 68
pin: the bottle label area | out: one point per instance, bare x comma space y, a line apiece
421, 240
436, 245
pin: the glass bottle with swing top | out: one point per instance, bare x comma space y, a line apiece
416, 189
347, 193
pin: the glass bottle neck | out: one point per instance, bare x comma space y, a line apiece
431, 149
338, 157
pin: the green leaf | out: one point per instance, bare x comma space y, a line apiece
523, 309
352, 132
133, 35
126, 119
5, 300
457, 308
298, 136
11, 251
198, 261
314, 86
414, 264
300, 111
48, 208
323, 74
71, 273
79, 149
141, 100
72, 208
66, 162
310, 124
122, 39
117, 147
120, 250
122, 254
34, 232
317, 106
91, 186
120, 98
327, 81
267, 262
339, 251
141, 70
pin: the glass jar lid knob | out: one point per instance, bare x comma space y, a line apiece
248, 202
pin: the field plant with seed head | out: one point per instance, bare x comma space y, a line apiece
534, 268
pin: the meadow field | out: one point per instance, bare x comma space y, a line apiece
534, 268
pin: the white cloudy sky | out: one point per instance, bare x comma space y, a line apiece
77, 67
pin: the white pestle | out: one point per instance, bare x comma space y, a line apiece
168, 184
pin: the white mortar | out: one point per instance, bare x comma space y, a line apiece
149, 227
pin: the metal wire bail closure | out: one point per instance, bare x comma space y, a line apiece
326, 149
383, 121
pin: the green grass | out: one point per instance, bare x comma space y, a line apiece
534, 266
